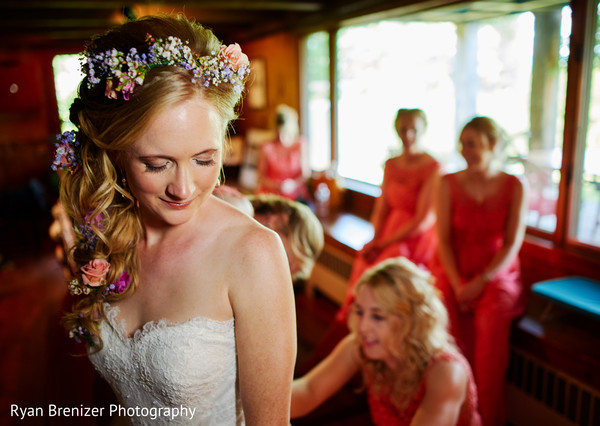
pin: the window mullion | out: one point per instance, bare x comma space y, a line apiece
333, 93
577, 103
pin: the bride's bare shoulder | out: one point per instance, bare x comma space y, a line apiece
242, 230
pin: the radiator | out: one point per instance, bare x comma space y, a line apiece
330, 274
539, 394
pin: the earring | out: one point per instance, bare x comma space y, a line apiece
123, 186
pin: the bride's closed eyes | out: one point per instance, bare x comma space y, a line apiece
205, 159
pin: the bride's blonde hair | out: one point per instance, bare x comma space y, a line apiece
106, 129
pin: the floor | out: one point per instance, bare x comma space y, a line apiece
35, 373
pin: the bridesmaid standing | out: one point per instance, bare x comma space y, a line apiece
481, 225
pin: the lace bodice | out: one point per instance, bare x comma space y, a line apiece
186, 365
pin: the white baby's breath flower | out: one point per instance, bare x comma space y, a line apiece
224, 66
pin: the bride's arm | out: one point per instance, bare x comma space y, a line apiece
263, 304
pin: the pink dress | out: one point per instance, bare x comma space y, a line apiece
477, 233
384, 413
400, 189
283, 162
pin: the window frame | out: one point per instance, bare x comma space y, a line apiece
583, 18
579, 67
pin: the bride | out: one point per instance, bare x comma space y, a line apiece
185, 302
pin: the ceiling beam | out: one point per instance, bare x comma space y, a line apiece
292, 6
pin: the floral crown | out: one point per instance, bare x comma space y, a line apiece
124, 71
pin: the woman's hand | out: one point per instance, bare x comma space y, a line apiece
324, 380
467, 294
372, 249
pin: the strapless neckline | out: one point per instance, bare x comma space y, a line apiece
150, 327
192, 364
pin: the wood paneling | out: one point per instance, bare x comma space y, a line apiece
28, 116
280, 53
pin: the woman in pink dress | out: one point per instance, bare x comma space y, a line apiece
403, 216
412, 372
481, 225
283, 163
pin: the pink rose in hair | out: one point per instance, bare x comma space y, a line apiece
94, 273
109, 92
234, 53
127, 89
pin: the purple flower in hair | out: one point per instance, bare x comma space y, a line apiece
127, 89
81, 334
87, 232
67, 152
118, 286
129, 69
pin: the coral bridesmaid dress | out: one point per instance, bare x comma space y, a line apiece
478, 231
400, 188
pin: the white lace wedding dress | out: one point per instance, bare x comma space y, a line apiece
188, 365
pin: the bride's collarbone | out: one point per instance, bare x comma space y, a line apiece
178, 258
172, 302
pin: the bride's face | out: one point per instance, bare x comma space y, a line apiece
173, 166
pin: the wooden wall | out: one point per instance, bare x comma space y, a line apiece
28, 116
28, 125
281, 58
540, 261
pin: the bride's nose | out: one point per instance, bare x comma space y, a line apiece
181, 186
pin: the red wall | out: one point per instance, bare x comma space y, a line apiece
28, 116
280, 54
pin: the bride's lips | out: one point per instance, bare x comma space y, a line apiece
175, 205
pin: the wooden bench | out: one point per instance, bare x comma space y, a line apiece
577, 293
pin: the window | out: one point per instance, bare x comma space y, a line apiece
470, 59
67, 76
585, 222
384, 66
318, 105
